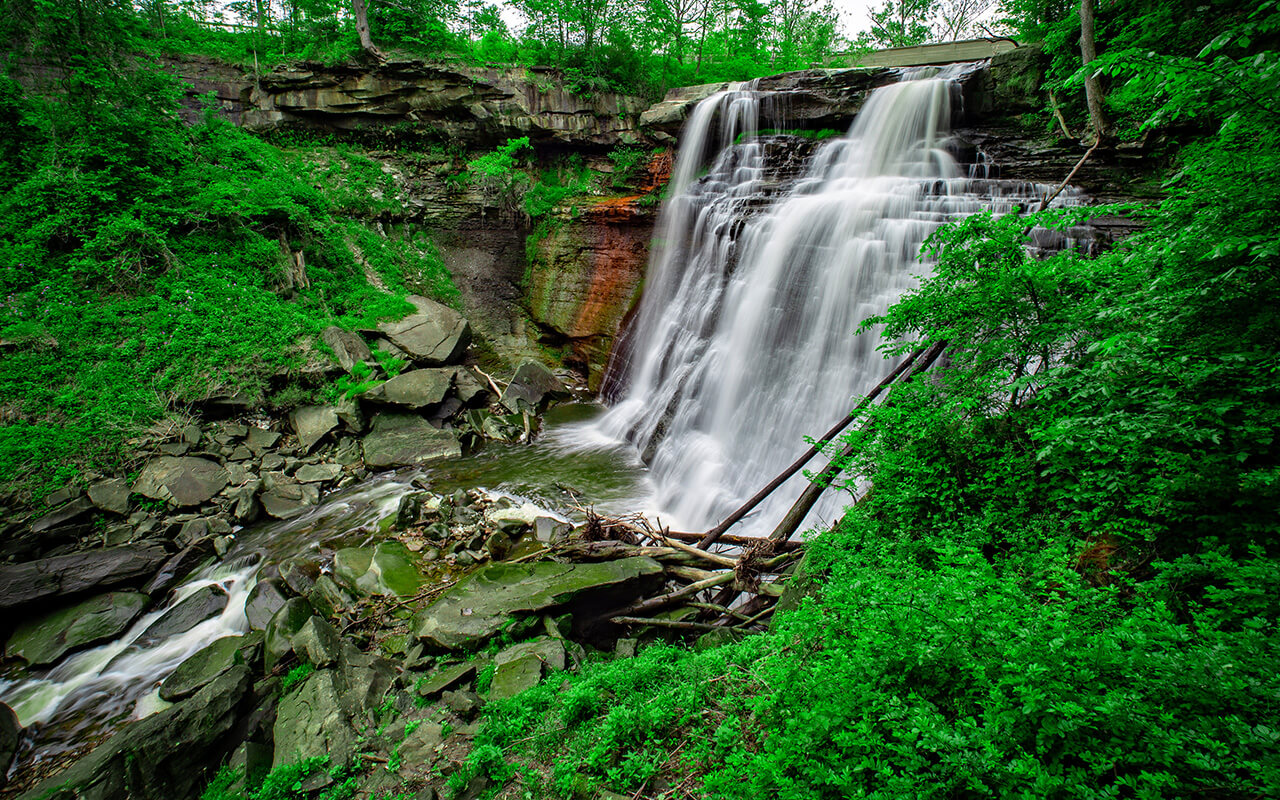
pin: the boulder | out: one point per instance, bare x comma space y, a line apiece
531, 388
407, 440
387, 569
288, 500
48, 637
435, 336
521, 666
163, 756
311, 423
482, 604
202, 604
280, 630
201, 669
112, 495
329, 599
348, 348
419, 388
10, 738
179, 566
318, 643
265, 599
77, 573
187, 481
63, 515
311, 721
421, 747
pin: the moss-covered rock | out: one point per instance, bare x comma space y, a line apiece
49, 637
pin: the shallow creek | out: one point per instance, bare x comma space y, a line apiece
91, 693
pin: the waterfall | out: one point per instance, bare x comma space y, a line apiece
744, 341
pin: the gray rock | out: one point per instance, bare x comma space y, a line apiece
311, 721
112, 495
462, 702
444, 679
469, 389
318, 473
272, 462
76, 573
348, 348
175, 448
191, 434
421, 746
349, 412
300, 574
311, 423
435, 336
260, 439
407, 440
47, 638
419, 388
329, 598
202, 604
265, 599
63, 515
531, 388
10, 738
193, 530
187, 481
318, 643
521, 666
161, 757
280, 630
482, 604
202, 668
179, 566
282, 503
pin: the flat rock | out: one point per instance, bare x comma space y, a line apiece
521, 666
165, 755
318, 473
188, 480
201, 669
261, 439
531, 388
111, 495
190, 611
435, 336
47, 638
419, 388
318, 643
386, 569
311, 423
483, 603
284, 504
407, 440
76, 573
62, 515
444, 679
348, 348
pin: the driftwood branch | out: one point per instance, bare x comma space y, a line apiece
1050, 197
715, 533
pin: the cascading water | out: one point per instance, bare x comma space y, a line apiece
744, 342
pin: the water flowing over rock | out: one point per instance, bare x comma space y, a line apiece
744, 341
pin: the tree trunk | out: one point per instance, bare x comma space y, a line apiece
362, 27
1092, 86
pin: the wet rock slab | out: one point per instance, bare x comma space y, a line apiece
76, 573
407, 440
187, 480
49, 637
482, 604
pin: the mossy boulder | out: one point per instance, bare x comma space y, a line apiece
485, 602
202, 668
386, 569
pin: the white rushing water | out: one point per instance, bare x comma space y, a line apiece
744, 341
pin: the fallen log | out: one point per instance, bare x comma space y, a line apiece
713, 535
809, 497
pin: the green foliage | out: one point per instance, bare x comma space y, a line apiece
295, 676
147, 264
